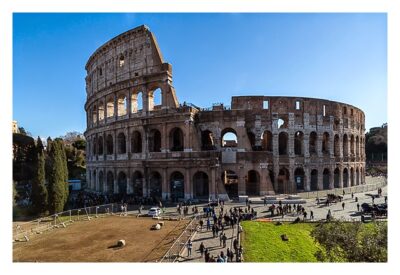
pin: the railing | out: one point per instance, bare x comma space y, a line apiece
173, 254
59, 220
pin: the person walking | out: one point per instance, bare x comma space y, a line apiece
201, 225
358, 207
352, 195
220, 239
201, 248
224, 238
311, 215
189, 248
208, 224
343, 205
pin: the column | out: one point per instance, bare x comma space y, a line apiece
212, 183
164, 185
188, 185
320, 179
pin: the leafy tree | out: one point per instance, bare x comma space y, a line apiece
57, 175
352, 242
79, 144
39, 194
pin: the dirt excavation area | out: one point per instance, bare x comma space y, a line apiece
95, 240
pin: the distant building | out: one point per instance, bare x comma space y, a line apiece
15, 127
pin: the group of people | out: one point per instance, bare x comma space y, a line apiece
287, 209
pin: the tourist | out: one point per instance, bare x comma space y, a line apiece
201, 248
208, 224
224, 257
305, 215
352, 195
220, 239
224, 238
358, 207
311, 215
189, 248
201, 225
344, 193
343, 205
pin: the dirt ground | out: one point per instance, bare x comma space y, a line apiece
92, 241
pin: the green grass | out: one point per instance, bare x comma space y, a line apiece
262, 242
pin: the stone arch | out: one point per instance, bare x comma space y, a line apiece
207, 141
352, 145
101, 181
122, 104
230, 181
121, 143
177, 186
252, 140
110, 144
351, 176
357, 176
283, 181
155, 190
336, 146
345, 177
155, 99
137, 184
200, 185
253, 183
176, 139
345, 145
266, 141
312, 143
336, 178
110, 182
101, 111
314, 180
298, 143
326, 179
325, 143
283, 143
137, 102
229, 138
155, 141
94, 179
122, 183
110, 107
136, 142
100, 143
299, 178
94, 145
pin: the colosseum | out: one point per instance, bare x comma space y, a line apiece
142, 141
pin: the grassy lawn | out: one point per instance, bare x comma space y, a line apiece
262, 242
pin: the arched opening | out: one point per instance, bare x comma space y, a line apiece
230, 181
122, 183
325, 144
271, 175
110, 145
94, 178
283, 143
110, 183
336, 174
252, 140
155, 185
298, 143
345, 146
176, 139
299, 179
100, 145
137, 184
345, 177
121, 143
122, 105
325, 178
351, 176
352, 145
313, 143
336, 147
229, 138
253, 183
155, 100
94, 114
267, 141
110, 107
137, 102
101, 111
101, 182
136, 142
283, 181
357, 177
94, 146
207, 141
200, 185
155, 141
314, 180
177, 186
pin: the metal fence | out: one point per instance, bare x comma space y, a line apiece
180, 243
22, 231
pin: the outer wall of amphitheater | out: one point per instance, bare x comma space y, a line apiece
141, 141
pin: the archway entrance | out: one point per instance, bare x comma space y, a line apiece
155, 190
345, 177
122, 183
326, 176
200, 185
230, 181
314, 180
299, 179
177, 186
283, 181
253, 183
137, 184
336, 178
110, 182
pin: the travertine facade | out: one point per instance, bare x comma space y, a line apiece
259, 145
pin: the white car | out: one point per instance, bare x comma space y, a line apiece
154, 212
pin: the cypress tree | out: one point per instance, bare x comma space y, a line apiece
39, 191
56, 186
65, 171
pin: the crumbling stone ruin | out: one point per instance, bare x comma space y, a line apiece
259, 145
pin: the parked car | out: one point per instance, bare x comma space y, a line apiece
154, 212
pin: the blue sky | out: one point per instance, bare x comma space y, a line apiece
341, 57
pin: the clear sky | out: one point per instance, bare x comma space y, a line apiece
340, 57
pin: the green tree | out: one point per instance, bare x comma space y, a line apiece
39, 191
57, 176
